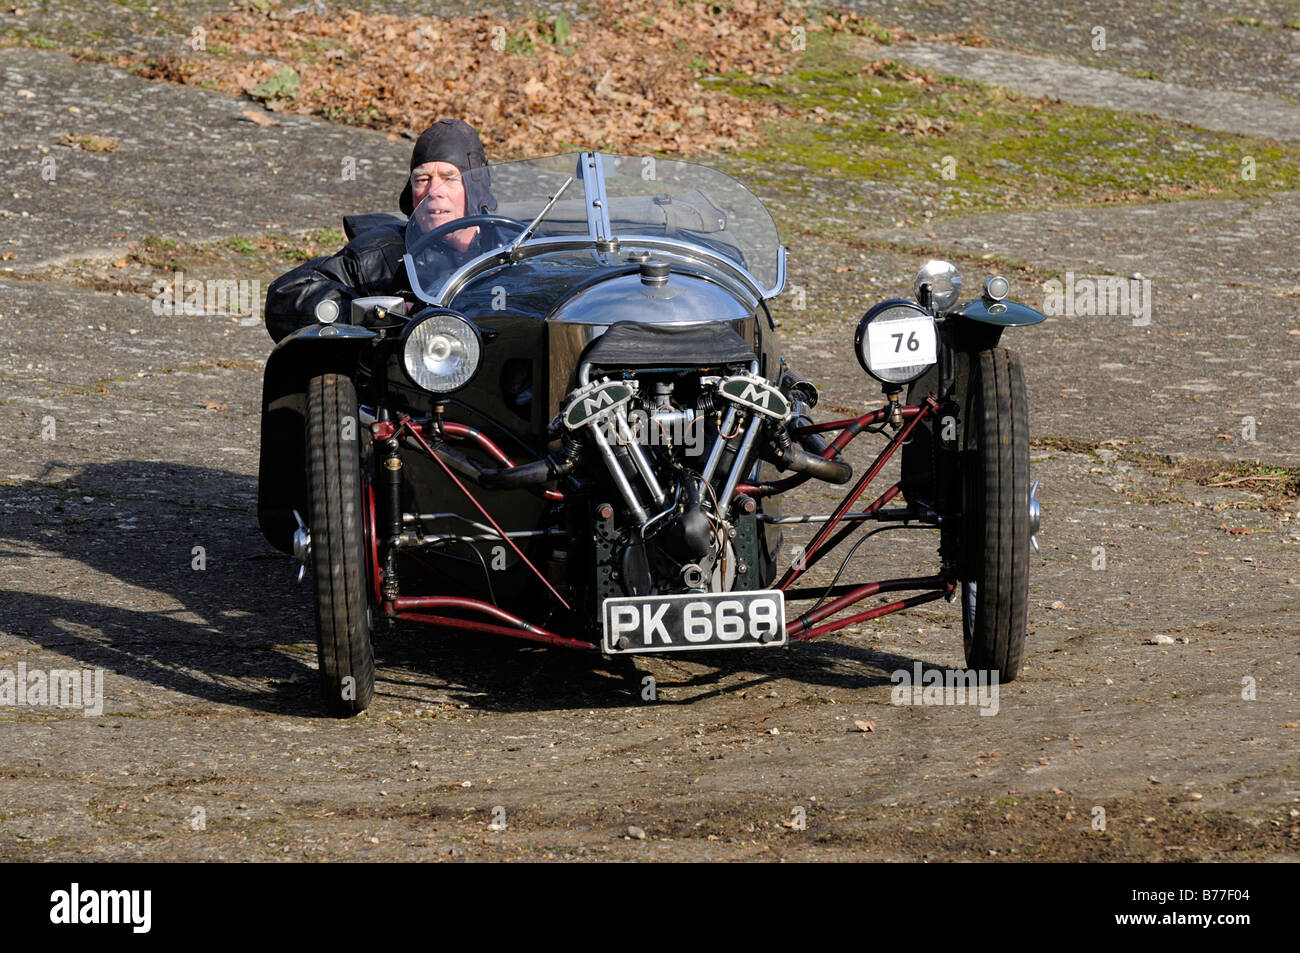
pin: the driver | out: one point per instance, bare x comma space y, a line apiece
448, 167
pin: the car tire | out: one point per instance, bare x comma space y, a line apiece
995, 515
338, 551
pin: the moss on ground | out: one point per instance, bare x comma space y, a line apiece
957, 146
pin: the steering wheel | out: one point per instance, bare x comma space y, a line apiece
426, 240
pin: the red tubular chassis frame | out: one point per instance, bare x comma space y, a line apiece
810, 625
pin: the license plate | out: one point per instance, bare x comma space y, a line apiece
713, 620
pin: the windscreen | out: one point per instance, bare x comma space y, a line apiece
644, 196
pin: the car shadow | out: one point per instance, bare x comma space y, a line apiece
497, 673
156, 572
132, 599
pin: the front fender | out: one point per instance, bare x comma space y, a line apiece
1002, 313
282, 470
929, 465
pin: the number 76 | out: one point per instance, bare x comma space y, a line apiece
912, 343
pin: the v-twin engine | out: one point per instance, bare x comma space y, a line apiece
680, 450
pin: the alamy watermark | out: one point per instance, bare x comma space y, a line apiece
57, 687
179, 295
975, 687
1093, 295
130, 907
676, 429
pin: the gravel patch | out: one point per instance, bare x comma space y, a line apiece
187, 162
1193, 42
1089, 86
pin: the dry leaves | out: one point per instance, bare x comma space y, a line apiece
910, 124
625, 80
261, 119
90, 143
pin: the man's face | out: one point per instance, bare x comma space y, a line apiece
442, 185
441, 182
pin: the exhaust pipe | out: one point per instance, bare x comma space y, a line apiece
801, 461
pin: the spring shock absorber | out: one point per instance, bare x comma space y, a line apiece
391, 475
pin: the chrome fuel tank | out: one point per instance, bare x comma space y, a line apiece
650, 295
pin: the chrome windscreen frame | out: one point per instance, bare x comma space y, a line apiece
593, 181
458, 279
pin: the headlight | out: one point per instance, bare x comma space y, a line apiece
944, 282
896, 341
327, 311
996, 287
441, 353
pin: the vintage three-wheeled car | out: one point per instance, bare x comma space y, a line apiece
578, 429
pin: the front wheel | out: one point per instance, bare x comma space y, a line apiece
347, 665
995, 515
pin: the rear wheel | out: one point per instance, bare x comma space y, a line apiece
347, 666
995, 515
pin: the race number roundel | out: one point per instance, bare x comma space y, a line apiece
897, 341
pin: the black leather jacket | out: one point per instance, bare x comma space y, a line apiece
370, 264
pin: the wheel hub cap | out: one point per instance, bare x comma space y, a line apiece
301, 545
1035, 515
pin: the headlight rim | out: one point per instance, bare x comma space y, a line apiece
424, 317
